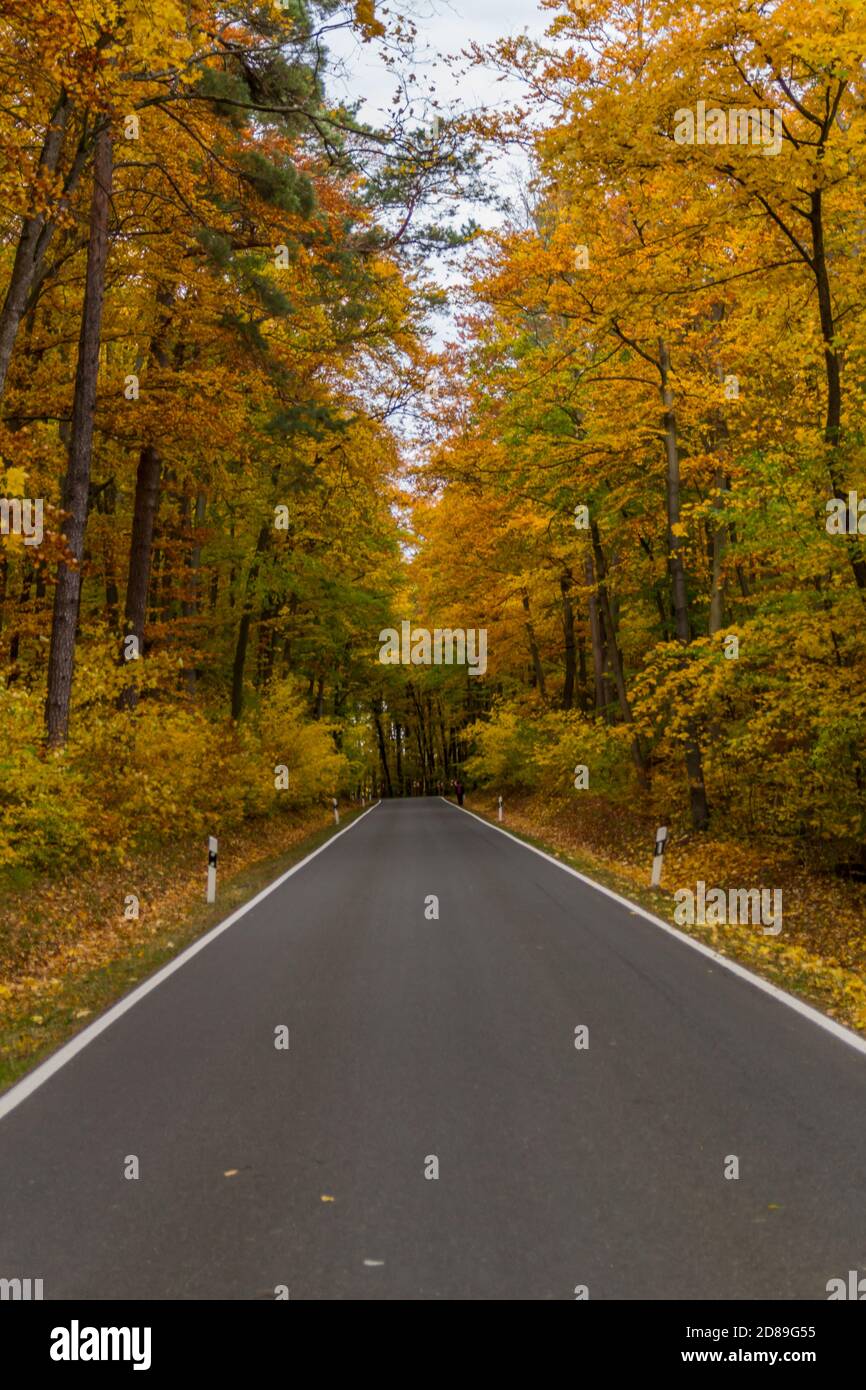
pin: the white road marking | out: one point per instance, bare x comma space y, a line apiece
830, 1025
64, 1054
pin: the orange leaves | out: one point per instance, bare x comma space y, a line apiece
365, 18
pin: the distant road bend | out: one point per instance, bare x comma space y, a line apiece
418, 1044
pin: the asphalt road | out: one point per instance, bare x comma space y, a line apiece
411, 1039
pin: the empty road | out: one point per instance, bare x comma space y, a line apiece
418, 1044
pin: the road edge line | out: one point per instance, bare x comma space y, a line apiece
41, 1073
837, 1030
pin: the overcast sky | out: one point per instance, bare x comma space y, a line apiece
445, 29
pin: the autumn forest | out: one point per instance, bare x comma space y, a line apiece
237, 446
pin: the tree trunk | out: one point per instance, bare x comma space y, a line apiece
694, 763
732, 539
595, 635
538, 669
244, 626
383, 752
67, 594
833, 372
614, 652
239, 663
398, 751
422, 737
718, 533
717, 530
145, 508
192, 600
422, 759
445, 764
565, 582
140, 555
582, 695
109, 560
36, 233
15, 643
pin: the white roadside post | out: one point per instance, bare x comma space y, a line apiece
658, 855
336, 812
500, 808
211, 868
